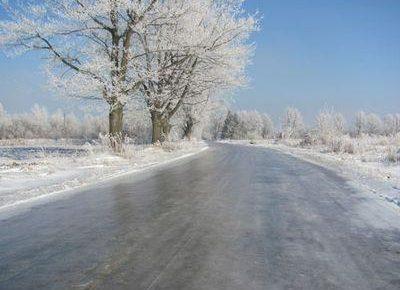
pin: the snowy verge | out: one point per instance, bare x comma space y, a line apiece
31, 173
379, 177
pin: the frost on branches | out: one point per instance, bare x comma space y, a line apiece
89, 45
166, 53
247, 125
200, 51
292, 124
330, 125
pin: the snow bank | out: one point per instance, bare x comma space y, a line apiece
28, 173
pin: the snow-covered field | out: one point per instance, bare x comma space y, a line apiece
372, 163
29, 171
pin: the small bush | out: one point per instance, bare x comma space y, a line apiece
335, 145
171, 146
349, 148
308, 140
119, 145
393, 155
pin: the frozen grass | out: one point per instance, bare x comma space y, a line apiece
367, 149
40, 142
28, 171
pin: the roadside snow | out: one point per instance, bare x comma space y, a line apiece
368, 170
29, 173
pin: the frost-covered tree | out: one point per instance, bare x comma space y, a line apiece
251, 124
39, 121
3, 117
91, 46
231, 126
204, 119
2, 111
57, 124
170, 52
39, 124
4, 122
268, 127
292, 124
368, 123
391, 123
254, 125
339, 122
214, 119
201, 50
374, 124
190, 116
138, 123
247, 125
330, 125
360, 123
92, 126
72, 127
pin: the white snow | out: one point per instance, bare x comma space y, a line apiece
29, 173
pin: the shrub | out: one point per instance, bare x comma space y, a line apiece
292, 125
309, 139
393, 155
329, 125
335, 145
349, 148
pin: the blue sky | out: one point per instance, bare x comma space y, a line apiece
310, 54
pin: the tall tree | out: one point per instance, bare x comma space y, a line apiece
231, 126
170, 53
90, 45
201, 49
292, 123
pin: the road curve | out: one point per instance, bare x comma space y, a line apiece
235, 217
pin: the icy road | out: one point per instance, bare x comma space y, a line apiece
234, 217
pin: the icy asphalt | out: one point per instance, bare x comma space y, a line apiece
234, 217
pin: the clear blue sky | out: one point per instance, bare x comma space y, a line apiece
310, 54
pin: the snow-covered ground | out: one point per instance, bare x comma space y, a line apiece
368, 166
29, 172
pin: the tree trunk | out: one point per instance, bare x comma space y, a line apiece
188, 129
166, 128
157, 128
156, 132
161, 128
115, 125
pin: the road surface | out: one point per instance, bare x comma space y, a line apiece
234, 217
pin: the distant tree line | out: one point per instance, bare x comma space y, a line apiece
328, 124
38, 123
212, 122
